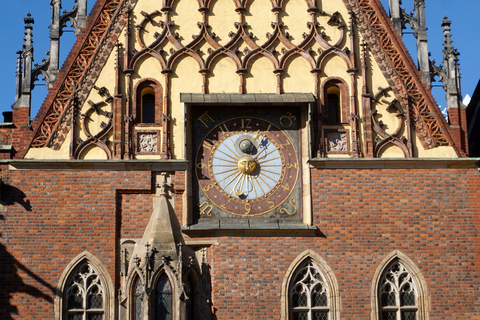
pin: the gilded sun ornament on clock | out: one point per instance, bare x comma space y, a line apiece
247, 166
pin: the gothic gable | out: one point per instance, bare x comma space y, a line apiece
324, 55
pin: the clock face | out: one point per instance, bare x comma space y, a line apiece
247, 166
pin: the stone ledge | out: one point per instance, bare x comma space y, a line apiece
246, 227
393, 163
109, 165
237, 98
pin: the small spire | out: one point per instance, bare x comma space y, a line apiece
447, 42
28, 40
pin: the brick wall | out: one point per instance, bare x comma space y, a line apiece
362, 215
51, 217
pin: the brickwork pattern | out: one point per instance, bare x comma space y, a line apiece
51, 217
362, 215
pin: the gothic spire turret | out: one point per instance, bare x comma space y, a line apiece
450, 61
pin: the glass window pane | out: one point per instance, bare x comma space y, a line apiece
389, 316
95, 299
320, 315
319, 300
407, 299
333, 104
95, 317
190, 302
75, 317
164, 299
302, 300
408, 315
139, 301
75, 300
388, 299
300, 316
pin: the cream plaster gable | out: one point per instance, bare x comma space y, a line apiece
294, 47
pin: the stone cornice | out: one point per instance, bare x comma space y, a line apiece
103, 165
394, 163
181, 165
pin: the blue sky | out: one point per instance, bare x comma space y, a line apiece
463, 13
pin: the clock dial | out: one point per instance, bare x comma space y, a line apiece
246, 166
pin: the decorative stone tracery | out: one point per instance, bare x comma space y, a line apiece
416, 101
79, 80
243, 49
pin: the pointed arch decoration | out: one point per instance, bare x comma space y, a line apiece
164, 304
152, 298
399, 290
191, 308
85, 286
320, 293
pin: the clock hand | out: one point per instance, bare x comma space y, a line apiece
253, 186
243, 183
236, 183
259, 185
238, 173
261, 151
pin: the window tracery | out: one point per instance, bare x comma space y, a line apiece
85, 299
309, 294
148, 102
397, 294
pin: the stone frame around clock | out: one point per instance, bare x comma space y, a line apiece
303, 103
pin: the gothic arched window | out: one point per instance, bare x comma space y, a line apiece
399, 291
309, 293
335, 100
163, 305
84, 295
148, 102
310, 290
397, 294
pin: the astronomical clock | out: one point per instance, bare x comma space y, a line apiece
247, 163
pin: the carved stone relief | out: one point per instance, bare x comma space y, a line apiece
337, 142
148, 142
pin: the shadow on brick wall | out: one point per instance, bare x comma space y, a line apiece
11, 283
12, 195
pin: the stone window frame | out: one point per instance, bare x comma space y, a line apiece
60, 302
328, 275
422, 299
137, 101
149, 308
133, 291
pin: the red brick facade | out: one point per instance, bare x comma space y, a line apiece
362, 215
